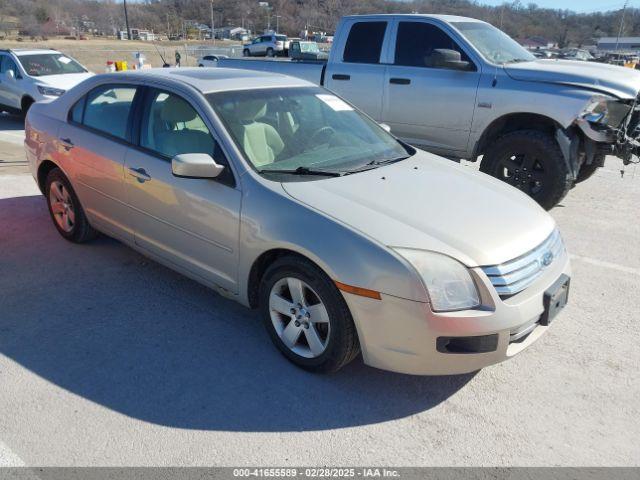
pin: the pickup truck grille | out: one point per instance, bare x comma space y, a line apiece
515, 275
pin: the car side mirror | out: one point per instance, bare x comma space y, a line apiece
385, 127
445, 58
195, 165
11, 75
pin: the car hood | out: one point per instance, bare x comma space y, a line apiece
618, 81
65, 81
430, 203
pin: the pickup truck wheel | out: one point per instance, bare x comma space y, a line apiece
306, 316
270, 52
246, 52
586, 171
65, 209
531, 161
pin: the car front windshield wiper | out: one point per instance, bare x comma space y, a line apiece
387, 161
303, 171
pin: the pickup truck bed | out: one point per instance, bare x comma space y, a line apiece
312, 71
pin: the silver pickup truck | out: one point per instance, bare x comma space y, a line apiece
463, 89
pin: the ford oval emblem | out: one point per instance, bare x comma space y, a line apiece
547, 258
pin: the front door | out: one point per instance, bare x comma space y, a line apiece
10, 88
193, 223
424, 103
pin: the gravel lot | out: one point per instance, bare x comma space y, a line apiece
107, 358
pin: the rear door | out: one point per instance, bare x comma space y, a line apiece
357, 72
95, 139
426, 104
193, 223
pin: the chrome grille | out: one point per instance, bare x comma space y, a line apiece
515, 275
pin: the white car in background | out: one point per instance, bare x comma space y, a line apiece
269, 45
33, 75
210, 60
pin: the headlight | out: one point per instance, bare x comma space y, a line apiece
52, 92
605, 110
448, 282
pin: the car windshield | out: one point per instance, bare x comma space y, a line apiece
303, 131
495, 45
39, 65
281, 38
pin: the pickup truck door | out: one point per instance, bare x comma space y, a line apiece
424, 103
193, 223
355, 72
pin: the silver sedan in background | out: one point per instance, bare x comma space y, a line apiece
281, 195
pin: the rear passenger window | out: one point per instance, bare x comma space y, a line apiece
364, 43
107, 109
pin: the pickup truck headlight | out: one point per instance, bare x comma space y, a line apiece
448, 282
605, 110
50, 91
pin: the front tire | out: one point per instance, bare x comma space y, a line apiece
65, 209
246, 52
531, 161
306, 316
25, 106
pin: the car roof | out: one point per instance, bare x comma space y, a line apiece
444, 18
216, 79
33, 51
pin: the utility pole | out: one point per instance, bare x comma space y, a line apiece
126, 20
277, 23
624, 9
213, 33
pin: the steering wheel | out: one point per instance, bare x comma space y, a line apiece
325, 132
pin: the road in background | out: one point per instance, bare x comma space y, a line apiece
107, 358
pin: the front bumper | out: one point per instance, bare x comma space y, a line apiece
403, 335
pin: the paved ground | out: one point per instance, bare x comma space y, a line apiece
107, 358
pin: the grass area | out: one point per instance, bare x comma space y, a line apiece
94, 53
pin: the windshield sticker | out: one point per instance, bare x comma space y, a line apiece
64, 60
335, 103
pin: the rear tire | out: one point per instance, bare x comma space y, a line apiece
270, 52
65, 209
531, 161
246, 52
301, 306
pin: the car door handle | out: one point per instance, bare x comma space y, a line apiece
400, 81
67, 143
340, 76
140, 174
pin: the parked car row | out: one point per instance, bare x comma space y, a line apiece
281, 195
293, 188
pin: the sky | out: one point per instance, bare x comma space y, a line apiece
584, 6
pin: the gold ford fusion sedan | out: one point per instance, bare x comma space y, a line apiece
282, 196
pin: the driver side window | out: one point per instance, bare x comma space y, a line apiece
416, 42
171, 126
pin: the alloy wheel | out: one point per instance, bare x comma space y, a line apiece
299, 317
62, 206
